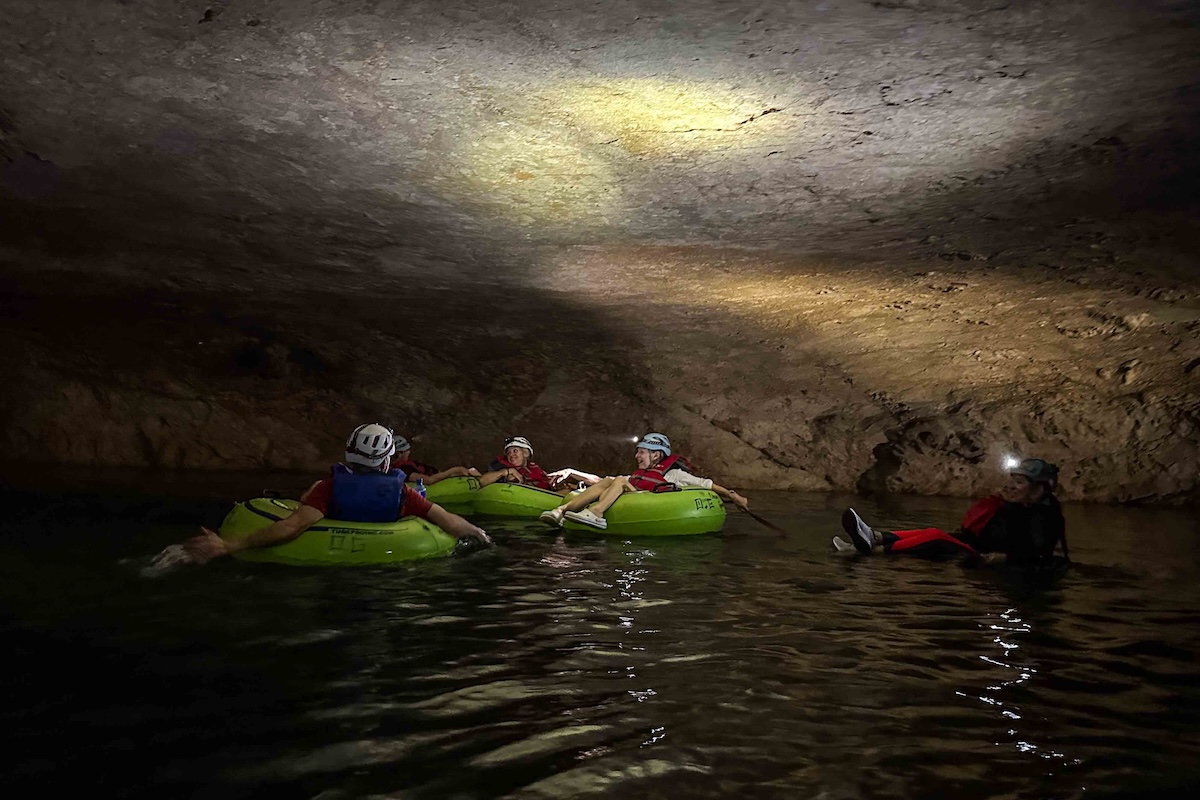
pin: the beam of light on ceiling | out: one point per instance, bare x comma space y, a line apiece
664, 118
563, 156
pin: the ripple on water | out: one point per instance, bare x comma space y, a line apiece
716, 666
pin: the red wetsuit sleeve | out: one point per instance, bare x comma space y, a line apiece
319, 496
981, 513
415, 505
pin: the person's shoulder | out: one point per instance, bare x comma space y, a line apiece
1054, 509
319, 495
319, 485
1049, 503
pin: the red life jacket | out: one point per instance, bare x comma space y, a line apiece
414, 468
981, 513
531, 473
655, 480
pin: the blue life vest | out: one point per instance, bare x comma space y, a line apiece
366, 497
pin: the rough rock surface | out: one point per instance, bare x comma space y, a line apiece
825, 245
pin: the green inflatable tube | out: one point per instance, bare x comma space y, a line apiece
515, 501
456, 495
689, 511
334, 543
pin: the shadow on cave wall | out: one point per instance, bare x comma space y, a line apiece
106, 371
1113, 198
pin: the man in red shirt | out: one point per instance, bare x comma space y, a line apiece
364, 488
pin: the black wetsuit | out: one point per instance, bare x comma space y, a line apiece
1027, 534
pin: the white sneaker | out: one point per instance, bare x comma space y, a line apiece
859, 532
587, 517
552, 517
842, 546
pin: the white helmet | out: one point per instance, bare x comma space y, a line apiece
655, 441
519, 441
370, 445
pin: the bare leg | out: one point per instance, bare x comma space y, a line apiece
581, 500
618, 487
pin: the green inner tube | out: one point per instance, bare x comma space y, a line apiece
334, 543
688, 511
456, 495
515, 501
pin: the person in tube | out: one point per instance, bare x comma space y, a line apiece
363, 487
657, 471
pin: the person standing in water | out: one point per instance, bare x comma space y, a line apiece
363, 488
658, 471
1024, 522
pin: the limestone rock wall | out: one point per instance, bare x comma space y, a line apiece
827, 244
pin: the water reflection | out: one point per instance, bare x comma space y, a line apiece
589, 666
1018, 667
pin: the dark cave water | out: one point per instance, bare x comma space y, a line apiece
743, 663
